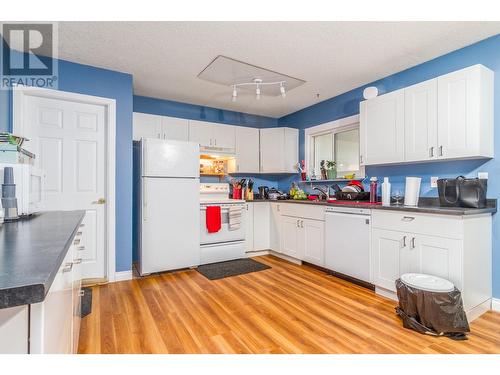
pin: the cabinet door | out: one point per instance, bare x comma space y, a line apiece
291, 150
382, 129
290, 236
223, 136
249, 246
146, 126
459, 113
247, 150
421, 121
51, 321
312, 233
275, 235
386, 257
201, 132
176, 129
261, 225
272, 147
439, 257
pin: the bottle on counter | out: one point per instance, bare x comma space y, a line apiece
373, 190
386, 192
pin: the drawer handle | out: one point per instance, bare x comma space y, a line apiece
76, 242
404, 242
81, 248
82, 225
78, 233
68, 267
408, 218
413, 243
77, 261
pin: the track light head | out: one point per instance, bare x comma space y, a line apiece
257, 93
235, 94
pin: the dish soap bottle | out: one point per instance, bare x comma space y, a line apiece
386, 192
373, 190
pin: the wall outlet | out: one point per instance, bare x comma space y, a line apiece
434, 182
483, 175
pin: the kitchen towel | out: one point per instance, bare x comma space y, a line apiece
213, 220
234, 217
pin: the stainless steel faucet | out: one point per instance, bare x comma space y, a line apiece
324, 191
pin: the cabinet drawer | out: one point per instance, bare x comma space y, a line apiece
305, 211
436, 225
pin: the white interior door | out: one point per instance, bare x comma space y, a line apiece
69, 141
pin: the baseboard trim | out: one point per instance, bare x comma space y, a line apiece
495, 304
286, 257
123, 275
257, 253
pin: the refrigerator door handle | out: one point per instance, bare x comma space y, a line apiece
144, 201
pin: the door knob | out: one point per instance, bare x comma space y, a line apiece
99, 201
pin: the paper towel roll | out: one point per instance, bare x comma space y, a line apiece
412, 191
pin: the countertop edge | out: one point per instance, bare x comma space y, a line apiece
36, 292
436, 210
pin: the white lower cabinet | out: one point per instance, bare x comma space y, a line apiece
290, 239
303, 239
313, 241
275, 221
249, 227
457, 248
261, 225
14, 330
55, 322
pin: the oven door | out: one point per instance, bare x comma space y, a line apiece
224, 234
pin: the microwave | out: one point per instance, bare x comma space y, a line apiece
30, 189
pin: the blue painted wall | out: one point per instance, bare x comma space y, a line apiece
89, 80
163, 107
486, 52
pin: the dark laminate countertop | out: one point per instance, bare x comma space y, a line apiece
426, 205
31, 252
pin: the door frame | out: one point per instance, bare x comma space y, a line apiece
18, 96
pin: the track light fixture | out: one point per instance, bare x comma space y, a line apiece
257, 82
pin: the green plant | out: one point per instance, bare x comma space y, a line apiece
330, 164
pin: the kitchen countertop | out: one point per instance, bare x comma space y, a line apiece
31, 252
426, 205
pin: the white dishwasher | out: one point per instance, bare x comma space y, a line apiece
347, 241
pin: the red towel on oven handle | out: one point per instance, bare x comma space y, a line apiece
213, 219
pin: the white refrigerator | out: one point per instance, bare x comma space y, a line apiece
170, 205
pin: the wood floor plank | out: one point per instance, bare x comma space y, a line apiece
288, 308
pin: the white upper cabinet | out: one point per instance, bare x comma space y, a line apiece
465, 113
154, 126
175, 128
279, 150
146, 126
201, 132
449, 117
382, 129
212, 135
421, 121
247, 150
224, 136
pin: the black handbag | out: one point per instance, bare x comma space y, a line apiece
462, 192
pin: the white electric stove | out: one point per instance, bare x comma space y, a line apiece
227, 243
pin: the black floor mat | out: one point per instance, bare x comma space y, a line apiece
229, 268
86, 301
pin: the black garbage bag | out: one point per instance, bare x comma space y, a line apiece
432, 313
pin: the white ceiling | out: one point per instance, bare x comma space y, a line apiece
332, 57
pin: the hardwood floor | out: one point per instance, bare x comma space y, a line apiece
285, 309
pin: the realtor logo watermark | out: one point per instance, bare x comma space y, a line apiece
28, 56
